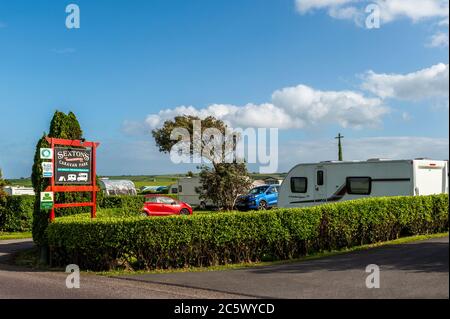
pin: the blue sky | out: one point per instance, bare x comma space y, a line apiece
135, 60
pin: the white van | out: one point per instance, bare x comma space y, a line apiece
325, 182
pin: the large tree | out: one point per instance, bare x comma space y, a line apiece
223, 180
224, 183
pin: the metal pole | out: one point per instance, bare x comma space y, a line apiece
52, 180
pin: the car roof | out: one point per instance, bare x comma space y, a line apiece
157, 195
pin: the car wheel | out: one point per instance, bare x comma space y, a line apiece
143, 214
262, 205
184, 212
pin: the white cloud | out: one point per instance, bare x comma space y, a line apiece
415, 10
304, 6
390, 10
292, 107
431, 82
439, 40
392, 147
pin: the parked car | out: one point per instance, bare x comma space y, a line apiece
261, 197
158, 205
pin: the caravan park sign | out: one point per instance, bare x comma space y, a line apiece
73, 166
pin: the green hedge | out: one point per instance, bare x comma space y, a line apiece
204, 240
16, 213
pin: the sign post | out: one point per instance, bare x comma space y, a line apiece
73, 170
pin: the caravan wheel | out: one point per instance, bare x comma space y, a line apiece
202, 206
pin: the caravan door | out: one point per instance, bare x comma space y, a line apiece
320, 186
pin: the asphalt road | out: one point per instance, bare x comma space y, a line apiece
414, 270
18, 282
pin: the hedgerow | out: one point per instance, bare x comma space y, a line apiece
217, 239
16, 213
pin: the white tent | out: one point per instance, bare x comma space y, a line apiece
117, 187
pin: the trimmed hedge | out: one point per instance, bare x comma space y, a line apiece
215, 239
16, 213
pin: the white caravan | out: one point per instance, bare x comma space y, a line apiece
329, 182
188, 190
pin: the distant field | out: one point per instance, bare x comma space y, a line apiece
143, 180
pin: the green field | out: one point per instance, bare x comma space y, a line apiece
143, 180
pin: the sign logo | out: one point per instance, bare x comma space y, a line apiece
46, 200
73, 166
46, 153
47, 169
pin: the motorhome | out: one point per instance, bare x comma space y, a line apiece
189, 190
334, 181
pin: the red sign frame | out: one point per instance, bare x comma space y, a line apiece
92, 188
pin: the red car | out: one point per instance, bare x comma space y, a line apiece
159, 205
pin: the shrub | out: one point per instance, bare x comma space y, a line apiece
126, 203
214, 239
16, 213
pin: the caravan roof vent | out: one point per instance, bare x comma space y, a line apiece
422, 158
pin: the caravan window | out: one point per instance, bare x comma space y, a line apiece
359, 185
299, 184
319, 178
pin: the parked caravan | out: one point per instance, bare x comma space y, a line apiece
188, 190
329, 182
18, 190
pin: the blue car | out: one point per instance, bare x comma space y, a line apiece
261, 198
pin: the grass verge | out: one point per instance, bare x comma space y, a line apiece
399, 241
18, 235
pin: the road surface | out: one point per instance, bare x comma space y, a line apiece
413, 270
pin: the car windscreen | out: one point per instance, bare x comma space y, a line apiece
258, 190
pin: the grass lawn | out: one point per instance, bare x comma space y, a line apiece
17, 235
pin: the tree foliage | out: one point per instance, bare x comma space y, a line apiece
2, 184
222, 182
64, 126
162, 135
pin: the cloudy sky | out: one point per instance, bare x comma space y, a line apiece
311, 68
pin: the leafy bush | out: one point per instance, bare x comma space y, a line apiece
126, 203
213, 239
16, 213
